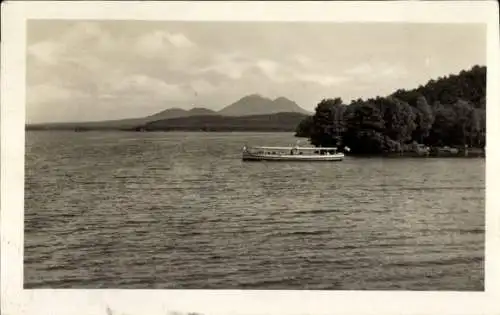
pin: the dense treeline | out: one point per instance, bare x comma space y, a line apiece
449, 111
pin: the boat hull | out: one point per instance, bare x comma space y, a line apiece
293, 158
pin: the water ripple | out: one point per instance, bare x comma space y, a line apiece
181, 210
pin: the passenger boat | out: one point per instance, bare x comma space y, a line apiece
294, 153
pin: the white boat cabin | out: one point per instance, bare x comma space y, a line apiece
291, 150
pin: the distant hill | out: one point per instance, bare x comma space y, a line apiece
250, 105
123, 123
255, 104
179, 112
270, 122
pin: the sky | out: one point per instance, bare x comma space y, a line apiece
99, 70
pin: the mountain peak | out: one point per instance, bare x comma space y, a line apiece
254, 96
281, 99
169, 112
256, 104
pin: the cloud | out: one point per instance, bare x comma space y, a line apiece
82, 31
377, 70
393, 72
80, 38
269, 68
160, 43
89, 57
180, 41
91, 40
143, 84
201, 86
161, 64
237, 66
152, 44
46, 51
361, 69
322, 79
303, 61
49, 93
83, 52
52, 102
231, 65
284, 72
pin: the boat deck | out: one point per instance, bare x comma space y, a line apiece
291, 154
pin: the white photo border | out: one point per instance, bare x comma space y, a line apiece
16, 300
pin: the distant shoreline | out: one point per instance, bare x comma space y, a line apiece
282, 122
156, 131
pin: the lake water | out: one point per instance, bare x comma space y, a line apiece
181, 210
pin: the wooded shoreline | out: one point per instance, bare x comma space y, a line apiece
446, 117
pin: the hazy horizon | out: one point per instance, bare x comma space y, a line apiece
105, 70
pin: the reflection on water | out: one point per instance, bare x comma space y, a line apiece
181, 210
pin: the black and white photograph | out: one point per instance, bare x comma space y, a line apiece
276, 155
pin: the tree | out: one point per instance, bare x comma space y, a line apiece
399, 119
304, 128
444, 124
364, 128
469, 85
482, 103
474, 126
328, 123
481, 134
466, 123
388, 124
424, 118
